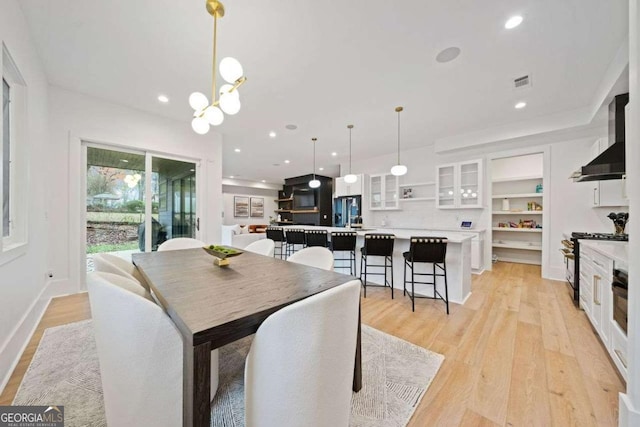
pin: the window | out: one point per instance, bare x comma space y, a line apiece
14, 164
6, 159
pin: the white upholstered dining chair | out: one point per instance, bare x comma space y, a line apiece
140, 354
264, 247
109, 263
299, 370
181, 243
314, 257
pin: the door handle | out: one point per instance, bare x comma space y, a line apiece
596, 289
595, 193
198, 224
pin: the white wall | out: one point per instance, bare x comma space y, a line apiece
22, 279
76, 117
568, 205
269, 196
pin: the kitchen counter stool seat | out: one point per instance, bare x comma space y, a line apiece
277, 235
316, 238
294, 237
377, 245
428, 250
345, 241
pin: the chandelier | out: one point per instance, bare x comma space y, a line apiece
227, 100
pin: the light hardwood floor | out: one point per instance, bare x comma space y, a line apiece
518, 353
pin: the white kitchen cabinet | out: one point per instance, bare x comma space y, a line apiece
608, 193
384, 192
460, 185
342, 189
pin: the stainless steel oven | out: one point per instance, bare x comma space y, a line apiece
620, 287
569, 261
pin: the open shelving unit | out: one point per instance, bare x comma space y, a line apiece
517, 244
420, 191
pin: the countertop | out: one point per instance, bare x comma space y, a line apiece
456, 229
400, 233
618, 251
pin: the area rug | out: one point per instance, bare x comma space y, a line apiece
65, 371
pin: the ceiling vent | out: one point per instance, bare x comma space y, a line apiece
522, 82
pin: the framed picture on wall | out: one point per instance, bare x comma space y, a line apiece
240, 207
257, 207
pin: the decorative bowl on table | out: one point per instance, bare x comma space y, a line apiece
221, 253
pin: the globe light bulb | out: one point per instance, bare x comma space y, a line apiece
350, 179
229, 104
214, 116
230, 69
198, 101
200, 125
314, 183
399, 170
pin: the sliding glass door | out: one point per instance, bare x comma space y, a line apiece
122, 204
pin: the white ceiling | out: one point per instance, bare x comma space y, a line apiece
323, 65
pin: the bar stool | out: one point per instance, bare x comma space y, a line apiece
277, 235
316, 238
377, 244
345, 241
431, 250
294, 236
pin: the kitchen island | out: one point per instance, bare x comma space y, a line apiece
458, 259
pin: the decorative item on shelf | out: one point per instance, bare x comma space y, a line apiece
533, 206
350, 178
279, 217
505, 204
399, 169
206, 115
527, 223
273, 221
314, 183
407, 193
539, 188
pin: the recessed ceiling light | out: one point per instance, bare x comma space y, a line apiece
334, 154
263, 180
448, 55
320, 169
124, 161
163, 98
231, 176
291, 127
237, 150
520, 105
513, 22
287, 161
272, 134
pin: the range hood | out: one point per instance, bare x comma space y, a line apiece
610, 164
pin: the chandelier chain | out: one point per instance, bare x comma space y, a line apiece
215, 44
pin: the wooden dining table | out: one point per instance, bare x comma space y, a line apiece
213, 306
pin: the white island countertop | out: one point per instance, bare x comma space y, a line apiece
617, 251
400, 233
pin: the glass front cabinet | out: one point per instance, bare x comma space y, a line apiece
460, 185
383, 192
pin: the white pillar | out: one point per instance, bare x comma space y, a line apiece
630, 402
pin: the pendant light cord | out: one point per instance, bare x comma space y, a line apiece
350, 149
314, 160
398, 137
215, 43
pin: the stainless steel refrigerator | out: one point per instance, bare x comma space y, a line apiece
346, 210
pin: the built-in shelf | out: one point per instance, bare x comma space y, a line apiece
517, 196
283, 211
514, 245
517, 212
285, 222
520, 178
304, 211
417, 199
418, 184
519, 230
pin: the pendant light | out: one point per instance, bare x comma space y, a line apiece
399, 169
228, 101
314, 183
350, 178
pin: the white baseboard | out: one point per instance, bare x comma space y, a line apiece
556, 273
628, 415
14, 346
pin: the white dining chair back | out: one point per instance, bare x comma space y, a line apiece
299, 370
140, 354
181, 243
314, 256
264, 247
109, 263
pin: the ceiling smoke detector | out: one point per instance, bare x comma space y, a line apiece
291, 127
522, 82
